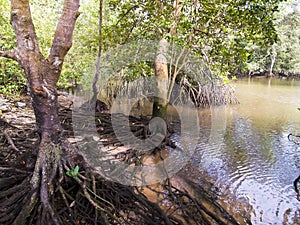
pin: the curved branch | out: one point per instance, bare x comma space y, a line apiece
294, 138
64, 32
23, 26
296, 186
125, 14
63, 37
10, 54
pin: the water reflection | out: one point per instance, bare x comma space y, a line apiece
245, 151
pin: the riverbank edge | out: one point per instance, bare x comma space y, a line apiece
267, 75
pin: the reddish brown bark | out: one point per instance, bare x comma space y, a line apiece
42, 73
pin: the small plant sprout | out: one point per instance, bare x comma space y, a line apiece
73, 172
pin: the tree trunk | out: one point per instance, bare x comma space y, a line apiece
42, 75
161, 67
161, 74
98, 61
273, 55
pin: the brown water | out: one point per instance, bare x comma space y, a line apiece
245, 151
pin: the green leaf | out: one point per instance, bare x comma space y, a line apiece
298, 109
76, 170
73, 172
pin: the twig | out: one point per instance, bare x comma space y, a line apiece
10, 141
62, 192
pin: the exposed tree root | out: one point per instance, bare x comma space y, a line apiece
73, 201
43, 193
10, 141
211, 92
203, 90
48, 196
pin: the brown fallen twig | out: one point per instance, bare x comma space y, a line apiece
10, 141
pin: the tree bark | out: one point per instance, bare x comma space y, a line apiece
164, 87
97, 73
42, 75
160, 103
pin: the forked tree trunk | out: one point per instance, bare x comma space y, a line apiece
42, 75
161, 74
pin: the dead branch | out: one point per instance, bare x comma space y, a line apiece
10, 141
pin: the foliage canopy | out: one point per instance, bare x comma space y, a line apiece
231, 36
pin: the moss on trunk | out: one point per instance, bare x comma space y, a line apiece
159, 108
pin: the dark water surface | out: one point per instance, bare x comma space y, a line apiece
245, 151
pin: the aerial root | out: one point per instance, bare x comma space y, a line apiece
89, 199
44, 193
47, 195
17, 200
28, 205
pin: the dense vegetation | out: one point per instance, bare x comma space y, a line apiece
232, 37
223, 35
282, 57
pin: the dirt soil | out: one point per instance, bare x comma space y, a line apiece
18, 137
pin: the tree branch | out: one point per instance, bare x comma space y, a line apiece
22, 23
126, 13
62, 41
10, 54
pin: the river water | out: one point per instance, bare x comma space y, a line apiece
244, 150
